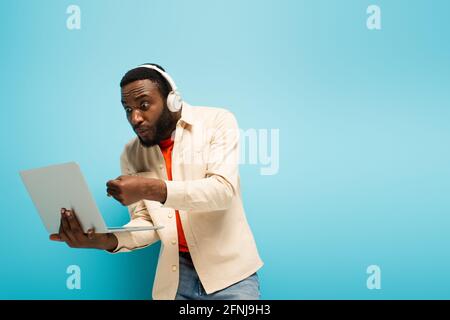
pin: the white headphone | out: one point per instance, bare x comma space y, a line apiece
174, 101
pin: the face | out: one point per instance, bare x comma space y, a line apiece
147, 112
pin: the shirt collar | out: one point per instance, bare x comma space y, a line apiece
164, 144
186, 114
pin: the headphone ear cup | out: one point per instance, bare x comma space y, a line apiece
170, 101
174, 101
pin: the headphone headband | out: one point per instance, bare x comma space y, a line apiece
166, 76
174, 101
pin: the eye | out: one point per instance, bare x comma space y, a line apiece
145, 105
127, 110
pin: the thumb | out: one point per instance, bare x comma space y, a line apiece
55, 237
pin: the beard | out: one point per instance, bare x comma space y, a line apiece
164, 126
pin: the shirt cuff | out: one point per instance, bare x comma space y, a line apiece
122, 238
176, 194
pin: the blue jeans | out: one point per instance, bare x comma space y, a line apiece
190, 287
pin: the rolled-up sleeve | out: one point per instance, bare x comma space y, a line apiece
139, 217
133, 240
216, 190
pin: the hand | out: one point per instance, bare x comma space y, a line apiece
70, 232
130, 189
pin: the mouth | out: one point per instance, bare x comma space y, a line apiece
141, 131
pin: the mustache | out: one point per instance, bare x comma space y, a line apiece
141, 128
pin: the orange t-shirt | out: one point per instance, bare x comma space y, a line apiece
166, 149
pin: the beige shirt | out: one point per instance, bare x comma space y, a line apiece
206, 191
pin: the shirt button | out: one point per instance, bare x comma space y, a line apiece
174, 242
174, 268
161, 166
170, 215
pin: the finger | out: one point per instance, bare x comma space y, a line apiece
55, 237
66, 230
91, 233
75, 226
112, 183
64, 237
113, 188
63, 211
64, 226
62, 234
112, 192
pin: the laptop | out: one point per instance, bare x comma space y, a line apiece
63, 186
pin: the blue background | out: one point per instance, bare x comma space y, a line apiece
364, 121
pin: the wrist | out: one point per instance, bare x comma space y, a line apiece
155, 189
162, 191
111, 242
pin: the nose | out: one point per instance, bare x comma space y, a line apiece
136, 118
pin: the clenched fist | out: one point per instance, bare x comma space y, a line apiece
130, 189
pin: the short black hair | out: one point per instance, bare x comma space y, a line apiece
142, 73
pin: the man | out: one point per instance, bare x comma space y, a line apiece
180, 172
